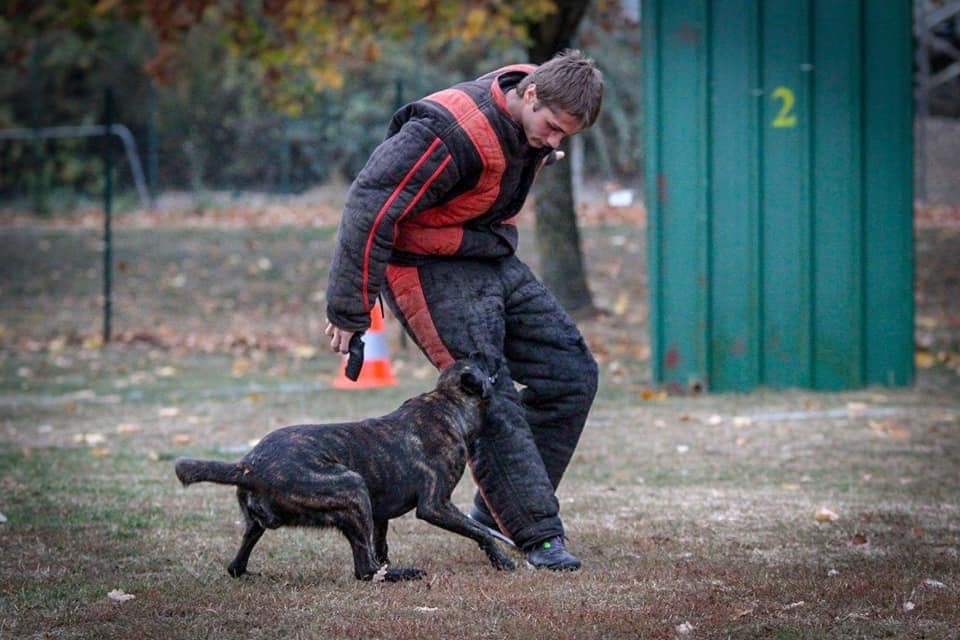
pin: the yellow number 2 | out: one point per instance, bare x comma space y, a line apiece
786, 117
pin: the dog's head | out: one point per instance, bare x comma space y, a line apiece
470, 376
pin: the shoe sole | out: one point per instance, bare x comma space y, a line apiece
533, 566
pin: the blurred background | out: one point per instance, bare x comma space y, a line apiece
219, 104
243, 115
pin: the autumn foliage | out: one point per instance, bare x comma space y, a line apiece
324, 39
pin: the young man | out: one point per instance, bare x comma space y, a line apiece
429, 223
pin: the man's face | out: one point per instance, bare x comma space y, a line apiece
543, 126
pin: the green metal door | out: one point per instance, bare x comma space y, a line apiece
779, 188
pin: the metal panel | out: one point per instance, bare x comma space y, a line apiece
779, 179
679, 241
785, 132
734, 202
888, 178
837, 206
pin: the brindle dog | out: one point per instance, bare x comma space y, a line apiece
357, 476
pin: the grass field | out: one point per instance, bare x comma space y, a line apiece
763, 515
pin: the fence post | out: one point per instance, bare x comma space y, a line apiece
153, 159
107, 211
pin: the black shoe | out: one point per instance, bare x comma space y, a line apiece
552, 554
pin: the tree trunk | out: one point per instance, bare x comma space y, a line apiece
558, 240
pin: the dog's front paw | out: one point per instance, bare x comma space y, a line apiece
503, 563
498, 558
397, 574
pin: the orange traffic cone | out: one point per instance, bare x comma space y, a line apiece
376, 371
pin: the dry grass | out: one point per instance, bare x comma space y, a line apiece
689, 513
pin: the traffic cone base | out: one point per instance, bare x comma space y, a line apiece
376, 371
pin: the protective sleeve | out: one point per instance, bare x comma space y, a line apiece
410, 171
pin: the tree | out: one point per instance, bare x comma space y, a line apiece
309, 45
558, 239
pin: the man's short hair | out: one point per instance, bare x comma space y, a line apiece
568, 82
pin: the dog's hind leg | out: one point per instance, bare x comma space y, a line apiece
250, 538
338, 497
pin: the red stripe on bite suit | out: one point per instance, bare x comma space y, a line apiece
412, 305
475, 124
439, 230
386, 207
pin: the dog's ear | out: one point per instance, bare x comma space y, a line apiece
474, 382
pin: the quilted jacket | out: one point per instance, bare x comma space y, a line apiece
448, 180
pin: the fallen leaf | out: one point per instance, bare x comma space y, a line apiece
182, 439
685, 628
621, 305
652, 394
129, 427
169, 412
241, 366
100, 452
856, 408
166, 372
936, 584
909, 606
90, 438
826, 515
305, 351
924, 360
890, 428
743, 612
858, 540
117, 595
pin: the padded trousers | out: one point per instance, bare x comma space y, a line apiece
546, 382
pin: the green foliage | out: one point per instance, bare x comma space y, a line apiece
56, 73
223, 120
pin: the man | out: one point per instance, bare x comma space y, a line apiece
429, 223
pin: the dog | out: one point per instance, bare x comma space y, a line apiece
357, 476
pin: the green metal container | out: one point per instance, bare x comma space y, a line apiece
779, 190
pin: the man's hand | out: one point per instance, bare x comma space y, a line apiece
339, 339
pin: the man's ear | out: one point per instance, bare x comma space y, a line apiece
530, 93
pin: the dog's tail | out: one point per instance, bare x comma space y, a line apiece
190, 471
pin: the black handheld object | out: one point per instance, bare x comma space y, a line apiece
355, 358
